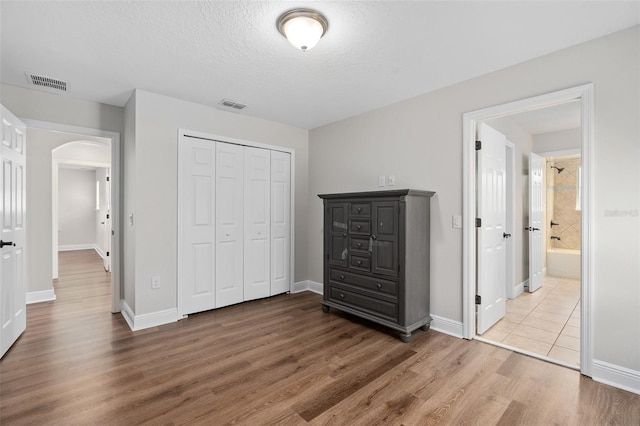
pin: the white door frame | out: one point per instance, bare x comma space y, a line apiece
115, 194
182, 133
584, 93
510, 291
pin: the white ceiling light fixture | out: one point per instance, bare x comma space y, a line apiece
302, 27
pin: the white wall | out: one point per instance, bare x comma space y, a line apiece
154, 185
523, 142
76, 207
557, 141
129, 206
420, 141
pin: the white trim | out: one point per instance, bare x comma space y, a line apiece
40, 296
446, 326
519, 289
511, 218
116, 249
470, 120
71, 247
614, 375
300, 286
100, 252
152, 319
316, 287
561, 153
127, 314
182, 133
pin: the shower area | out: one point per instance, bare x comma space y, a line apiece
563, 193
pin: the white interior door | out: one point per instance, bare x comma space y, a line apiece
280, 222
197, 236
257, 202
13, 312
491, 209
229, 224
536, 216
107, 223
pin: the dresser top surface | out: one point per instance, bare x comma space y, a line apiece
374, 194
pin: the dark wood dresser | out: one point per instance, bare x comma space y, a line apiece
376, 257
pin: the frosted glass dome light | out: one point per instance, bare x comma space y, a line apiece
302, 27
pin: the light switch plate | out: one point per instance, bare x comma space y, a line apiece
382, 180
392, 180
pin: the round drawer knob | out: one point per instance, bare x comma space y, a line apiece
359, 245
359, 209
358, 227
342, 277
341, 296
379, 286
359, 262
344, 235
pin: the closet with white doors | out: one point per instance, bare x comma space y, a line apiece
234, 231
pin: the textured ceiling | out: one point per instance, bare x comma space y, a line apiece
374, 54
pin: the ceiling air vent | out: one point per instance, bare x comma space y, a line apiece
51, 83
232, 104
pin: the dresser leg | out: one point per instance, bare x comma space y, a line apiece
425, 327
325, 308
405, 337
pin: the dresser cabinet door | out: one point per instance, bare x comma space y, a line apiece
338, 220
384, 256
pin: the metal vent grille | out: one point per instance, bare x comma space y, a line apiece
51, 83
232, 104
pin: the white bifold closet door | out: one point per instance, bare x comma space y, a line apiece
280, 221
235, 224
257, 224
197, 243
229, 224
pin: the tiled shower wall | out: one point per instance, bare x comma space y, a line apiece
564, 187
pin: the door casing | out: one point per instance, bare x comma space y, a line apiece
584, 93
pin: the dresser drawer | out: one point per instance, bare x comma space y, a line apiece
361, 263
360, 227
361, 244
361, 209
387, 288
364, 303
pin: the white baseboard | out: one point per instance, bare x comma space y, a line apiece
40, 296
300, 286
316, 287
152, 319
100, 252
71, 247
446, 326
519, 289
616, 376
307, 285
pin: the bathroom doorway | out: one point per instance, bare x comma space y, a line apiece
546, 322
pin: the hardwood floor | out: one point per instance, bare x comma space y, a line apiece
274, 361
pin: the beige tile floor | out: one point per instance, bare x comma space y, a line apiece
546, 322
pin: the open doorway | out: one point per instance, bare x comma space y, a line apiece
542, 312
67, 150
576, 327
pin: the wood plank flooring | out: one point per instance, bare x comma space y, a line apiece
279, 360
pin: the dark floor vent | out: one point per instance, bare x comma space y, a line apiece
51, 83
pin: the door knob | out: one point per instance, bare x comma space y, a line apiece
535, 229
8, 243
505, 235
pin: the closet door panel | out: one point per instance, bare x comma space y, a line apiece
280, 222
257, 267
229, 224
197, 239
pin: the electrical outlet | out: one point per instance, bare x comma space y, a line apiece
392, 180
382, 181
155, 283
